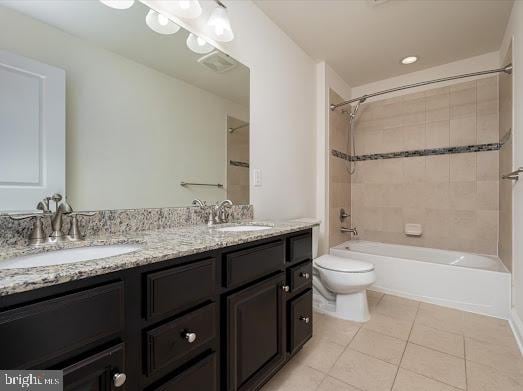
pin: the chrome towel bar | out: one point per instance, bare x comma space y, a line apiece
200, 184
514, 175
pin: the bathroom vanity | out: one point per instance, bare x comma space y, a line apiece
222, 319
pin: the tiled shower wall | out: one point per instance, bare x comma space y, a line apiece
339, 177
237, 151
505, 166
454, 197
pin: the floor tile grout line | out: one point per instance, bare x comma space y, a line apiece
436, 350
405, 349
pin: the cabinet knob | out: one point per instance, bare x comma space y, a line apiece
286, 288
305, 275
190, 337
119, 379
305, 319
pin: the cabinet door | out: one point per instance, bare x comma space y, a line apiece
256, 333
103, 371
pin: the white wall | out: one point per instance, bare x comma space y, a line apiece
468, 65
326, 79
133, 133
514, 32
282, 110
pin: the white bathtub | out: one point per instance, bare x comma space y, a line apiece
470, 282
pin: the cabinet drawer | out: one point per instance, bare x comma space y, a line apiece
97, 371
300, 324
300, 247
246, 265
57, 326
199, 377
173, 289
300, 276
170, 342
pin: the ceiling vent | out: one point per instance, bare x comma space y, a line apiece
218, 62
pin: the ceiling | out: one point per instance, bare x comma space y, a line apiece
364, 40
124, 32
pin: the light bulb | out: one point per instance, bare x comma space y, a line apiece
198, 44
162, 20
160, 23
118, 4
188, 9
219, 26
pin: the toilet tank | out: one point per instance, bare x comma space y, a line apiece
315, 233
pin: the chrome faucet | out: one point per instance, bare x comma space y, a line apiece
38, 236
219, 213
353, 231
57, 220
223, 211
197, 202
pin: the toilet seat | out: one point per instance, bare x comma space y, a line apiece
343, 265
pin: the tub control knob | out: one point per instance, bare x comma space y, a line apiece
305, 275
119, 379
286, 288
190, 337
305, 319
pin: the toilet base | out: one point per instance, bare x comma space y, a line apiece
353, 306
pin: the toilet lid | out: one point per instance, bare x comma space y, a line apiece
345, 265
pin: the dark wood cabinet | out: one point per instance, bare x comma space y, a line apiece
300, 321
103, 371
223, 320
255, 333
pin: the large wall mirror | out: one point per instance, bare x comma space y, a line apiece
114, 114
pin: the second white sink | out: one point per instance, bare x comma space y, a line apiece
71, 255
243, 228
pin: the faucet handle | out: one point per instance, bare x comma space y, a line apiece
38, 235
74, 230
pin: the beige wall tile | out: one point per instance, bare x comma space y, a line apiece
463, 167
487, 195
463, 131
488, 129
454, 196
438, 134
414, 137
487, 166
438, 168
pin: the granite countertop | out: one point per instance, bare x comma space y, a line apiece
156, 246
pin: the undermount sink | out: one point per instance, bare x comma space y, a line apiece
71, 255
243, 228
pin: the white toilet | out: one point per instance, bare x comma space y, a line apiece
340, 284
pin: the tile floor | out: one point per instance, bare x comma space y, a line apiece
406, 346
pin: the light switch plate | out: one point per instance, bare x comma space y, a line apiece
257, 177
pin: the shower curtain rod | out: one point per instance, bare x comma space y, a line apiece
506, 69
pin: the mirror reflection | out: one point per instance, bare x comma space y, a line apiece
134, 112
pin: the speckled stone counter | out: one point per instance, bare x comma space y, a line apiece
156, 246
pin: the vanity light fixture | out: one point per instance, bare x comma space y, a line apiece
187, 9
160, 23
198, 44
409, 60
118, 4
218, 25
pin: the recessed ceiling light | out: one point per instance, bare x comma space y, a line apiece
409, 60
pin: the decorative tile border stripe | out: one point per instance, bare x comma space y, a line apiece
238, 164
419, 152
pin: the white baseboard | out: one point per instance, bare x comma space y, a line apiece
516, 324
